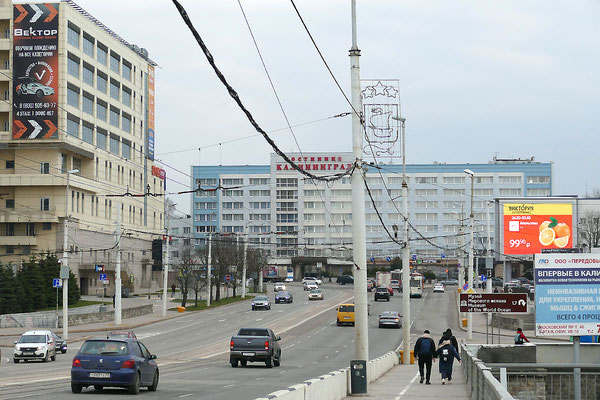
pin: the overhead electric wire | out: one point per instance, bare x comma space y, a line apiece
235, 96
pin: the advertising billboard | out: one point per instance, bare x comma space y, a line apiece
567, 294
150, 144
530, 228
35, 71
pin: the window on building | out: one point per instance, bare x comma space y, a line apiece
115, 60
260, 217
126, 70
46, 226
72, 125
114, 89
458, 180
45, 204
538, 179
260, 205
101, 82
483, 192
73, 96
232, 181
426, 204
101, 53
454, 192
126, 149
126, 96
101, 136
287, 182
88, 74
87, 132
73, 32
126, 122
426, 192
260, 181
206, 182
335, 193
287, 194
510, 192
260, 193
9, 229
287, 218
88, 45
87, 103
73, 65
538, 192
425, 179
101, 110
114, 144
483, 179
514, 179
114, 116
10, 203
10, 164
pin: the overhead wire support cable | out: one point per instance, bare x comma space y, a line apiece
235, 96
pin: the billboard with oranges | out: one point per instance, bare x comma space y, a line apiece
529, 228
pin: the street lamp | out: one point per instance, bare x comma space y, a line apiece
470, 271
64, 269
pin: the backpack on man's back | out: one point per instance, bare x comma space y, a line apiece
425, 348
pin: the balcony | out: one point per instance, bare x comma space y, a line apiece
28, 214
18, 240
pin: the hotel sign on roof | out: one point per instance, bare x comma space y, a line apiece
330, 163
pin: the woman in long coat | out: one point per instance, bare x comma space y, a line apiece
446, 354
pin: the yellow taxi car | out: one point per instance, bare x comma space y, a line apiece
345, 314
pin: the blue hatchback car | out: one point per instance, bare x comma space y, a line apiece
124, 363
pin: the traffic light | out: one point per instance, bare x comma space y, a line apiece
157, 254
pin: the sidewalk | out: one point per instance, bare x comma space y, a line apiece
402, 382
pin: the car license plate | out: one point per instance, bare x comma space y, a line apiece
99, 375
27, 353
248, 354
346, 317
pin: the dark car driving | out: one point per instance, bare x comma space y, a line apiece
124, 363
382, 293
59, 343
284, 297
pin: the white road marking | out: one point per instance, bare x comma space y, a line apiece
326, 357
403, 392
258, 319
228, 385
222, 320
258, 379
185, 395
314, 362
281, 372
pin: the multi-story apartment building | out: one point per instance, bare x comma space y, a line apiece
294, 216
76, 141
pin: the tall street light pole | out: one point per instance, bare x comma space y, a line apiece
405, 253
359, 249
64, 273
470, 272
166, 259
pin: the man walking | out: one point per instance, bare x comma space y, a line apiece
424, 351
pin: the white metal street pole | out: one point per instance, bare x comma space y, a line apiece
489, 254
165, 263
118, 270
361, 332
208, 271
244, 268
65, 261
470, 272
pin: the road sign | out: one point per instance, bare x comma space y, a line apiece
443, 255
227, 278
566, 294
103, 277
389, 259
372, 259
471, 291
483, 278
414, 257
493, 302
465, 286
56, 283
99, 268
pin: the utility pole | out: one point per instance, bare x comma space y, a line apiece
470, 272
244, 268
361, 334
64, 270
165, 262
208, 271
118, 270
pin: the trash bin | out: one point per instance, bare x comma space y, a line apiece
358, 376
180, 309
412, 357
102, 308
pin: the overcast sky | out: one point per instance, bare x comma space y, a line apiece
477, 79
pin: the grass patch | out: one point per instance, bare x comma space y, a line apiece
80, 303
202, 303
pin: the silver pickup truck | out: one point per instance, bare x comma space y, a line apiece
255, 345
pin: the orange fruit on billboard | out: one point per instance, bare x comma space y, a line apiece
562, 230
544, 225
561, 241
547, 236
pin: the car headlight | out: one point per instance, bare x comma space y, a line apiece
253, 303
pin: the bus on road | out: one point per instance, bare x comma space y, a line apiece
417, 285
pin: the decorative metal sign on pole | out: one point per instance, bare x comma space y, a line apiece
381, 103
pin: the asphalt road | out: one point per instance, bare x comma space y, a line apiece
193, 350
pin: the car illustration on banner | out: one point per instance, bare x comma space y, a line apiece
28, 85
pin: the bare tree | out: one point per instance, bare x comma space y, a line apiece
186, 272
589, 229
256, 259
223, 257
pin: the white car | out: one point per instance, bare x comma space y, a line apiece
312, 279
315, 294
279, 286
289, 279
35, 345
438, 288
310, 286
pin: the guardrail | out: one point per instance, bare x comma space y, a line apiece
480, 381
336, 384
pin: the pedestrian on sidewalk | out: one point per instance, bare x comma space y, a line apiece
447, 335
424, 351
446, 353
173, 290
520, 337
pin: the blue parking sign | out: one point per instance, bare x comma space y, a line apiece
103, 277
56, 283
